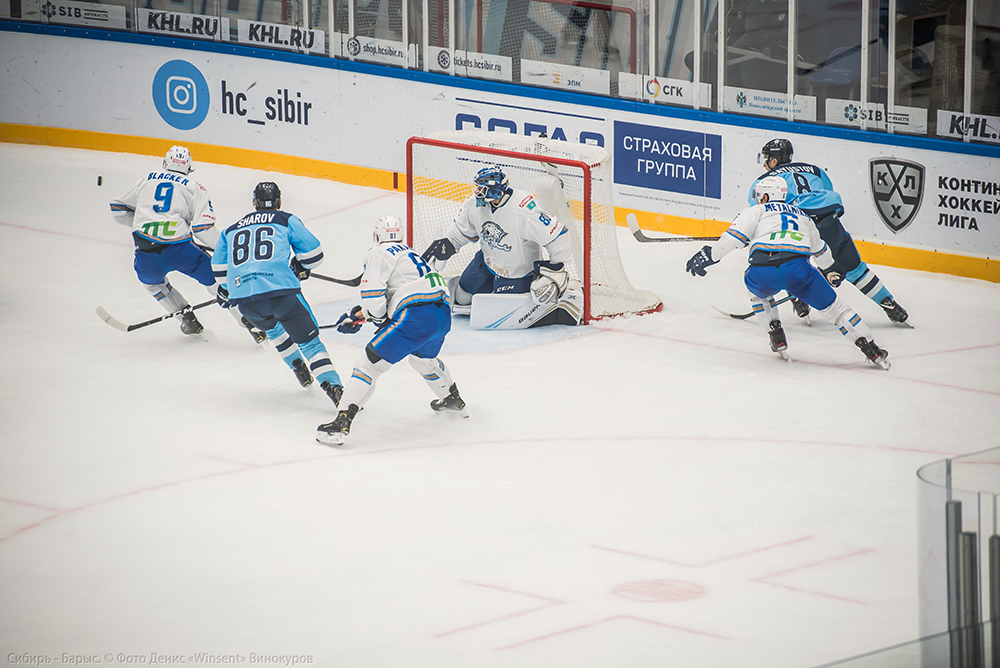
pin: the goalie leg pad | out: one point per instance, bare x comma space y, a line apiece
519, 311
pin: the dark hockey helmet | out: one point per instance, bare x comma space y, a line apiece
780, 149
491, 186
267, 195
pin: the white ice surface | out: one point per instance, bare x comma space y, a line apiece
653, 491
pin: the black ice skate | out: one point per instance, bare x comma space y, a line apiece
453, 402
302, 372
335, 392
189, 322
875, 355
777, 338
895, 312
800, 307
335, 433
258, 335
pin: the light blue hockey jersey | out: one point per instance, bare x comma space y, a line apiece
809, 189
252, 256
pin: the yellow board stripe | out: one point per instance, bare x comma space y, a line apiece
984, 268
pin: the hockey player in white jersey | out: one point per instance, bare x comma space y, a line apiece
167, 210
409, 304
512, 229
782, 238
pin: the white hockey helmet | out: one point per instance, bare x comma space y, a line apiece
773, 186
388, 229
178, 159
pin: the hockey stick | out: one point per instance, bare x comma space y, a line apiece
118, 324
633, 224
744, 316
352, 282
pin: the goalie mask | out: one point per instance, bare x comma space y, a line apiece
779, 149
267, 196
178, 159
773, 186
388, 229
492, 186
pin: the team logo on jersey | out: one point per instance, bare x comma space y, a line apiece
493, 235
897, 190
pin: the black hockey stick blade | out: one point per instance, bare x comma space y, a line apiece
119, 325
633, 224
351, 282
744, 316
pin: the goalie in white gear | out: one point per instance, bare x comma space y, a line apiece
512, 230
166, 211
408, 303
782, 238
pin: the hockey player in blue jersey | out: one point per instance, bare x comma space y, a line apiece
781, 239
811, 190
409, 304
167, 210
261, 259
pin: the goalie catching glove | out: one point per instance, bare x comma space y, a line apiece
551, 281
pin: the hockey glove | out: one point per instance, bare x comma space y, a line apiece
703, 258
350, 323
300, 272
222, 297
834, 278
550, 282
440, 249
380, 321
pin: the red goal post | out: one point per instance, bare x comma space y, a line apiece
440, 169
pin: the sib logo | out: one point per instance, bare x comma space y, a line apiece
897, 190
49, 9
353, 46
180, 94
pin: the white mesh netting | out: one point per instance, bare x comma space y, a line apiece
441, 167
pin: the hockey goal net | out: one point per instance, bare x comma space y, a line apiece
440, 170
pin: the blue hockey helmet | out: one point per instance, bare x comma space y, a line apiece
491, 186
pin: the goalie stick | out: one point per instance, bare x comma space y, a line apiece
118, 324
744, 316
633, 224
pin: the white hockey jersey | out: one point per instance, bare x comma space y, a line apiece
774, 227
512, 236
166, 208
395, 277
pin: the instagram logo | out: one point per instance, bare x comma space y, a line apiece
182, 97
180, 94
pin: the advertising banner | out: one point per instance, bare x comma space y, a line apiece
280, 36
91, 14
178, 24
670, 167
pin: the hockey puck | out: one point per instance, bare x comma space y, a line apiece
99, 180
